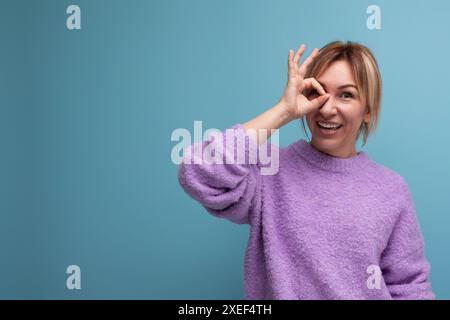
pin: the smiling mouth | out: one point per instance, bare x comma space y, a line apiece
328, 125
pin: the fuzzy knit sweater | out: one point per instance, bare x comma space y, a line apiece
321, 228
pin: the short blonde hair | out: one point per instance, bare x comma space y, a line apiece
365, 71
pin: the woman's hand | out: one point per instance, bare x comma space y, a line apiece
293, 104
293, 99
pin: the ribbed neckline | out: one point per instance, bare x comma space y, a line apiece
328, 162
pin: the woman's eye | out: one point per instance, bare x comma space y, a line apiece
347, 95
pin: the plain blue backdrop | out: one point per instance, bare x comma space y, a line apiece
86, 117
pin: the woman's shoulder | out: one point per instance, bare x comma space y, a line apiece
388, 176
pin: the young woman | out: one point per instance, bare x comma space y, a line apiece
332, 223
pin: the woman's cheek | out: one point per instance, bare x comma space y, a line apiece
353, 116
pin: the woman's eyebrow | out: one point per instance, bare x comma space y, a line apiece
340, 87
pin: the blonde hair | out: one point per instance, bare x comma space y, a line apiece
365, 71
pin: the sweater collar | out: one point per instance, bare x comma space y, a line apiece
328, 162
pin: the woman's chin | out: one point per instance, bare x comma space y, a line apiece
328, 144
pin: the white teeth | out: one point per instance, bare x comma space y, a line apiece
329, 125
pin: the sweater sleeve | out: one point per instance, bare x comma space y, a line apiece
229, 189
404, 266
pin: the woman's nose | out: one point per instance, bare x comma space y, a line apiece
329, 107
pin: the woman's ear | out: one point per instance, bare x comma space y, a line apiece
366, 118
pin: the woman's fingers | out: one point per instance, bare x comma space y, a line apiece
304, 66
310, 83
291, 69
298, 55
319, 101
293, 60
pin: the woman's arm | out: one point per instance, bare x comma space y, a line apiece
231, 190
404, 266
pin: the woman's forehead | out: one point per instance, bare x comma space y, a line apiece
337, 75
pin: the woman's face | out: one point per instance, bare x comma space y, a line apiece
334, 126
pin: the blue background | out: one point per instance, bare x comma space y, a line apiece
86, 119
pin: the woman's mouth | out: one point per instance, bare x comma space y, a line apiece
328, 127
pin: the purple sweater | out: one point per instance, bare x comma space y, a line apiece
321, 228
